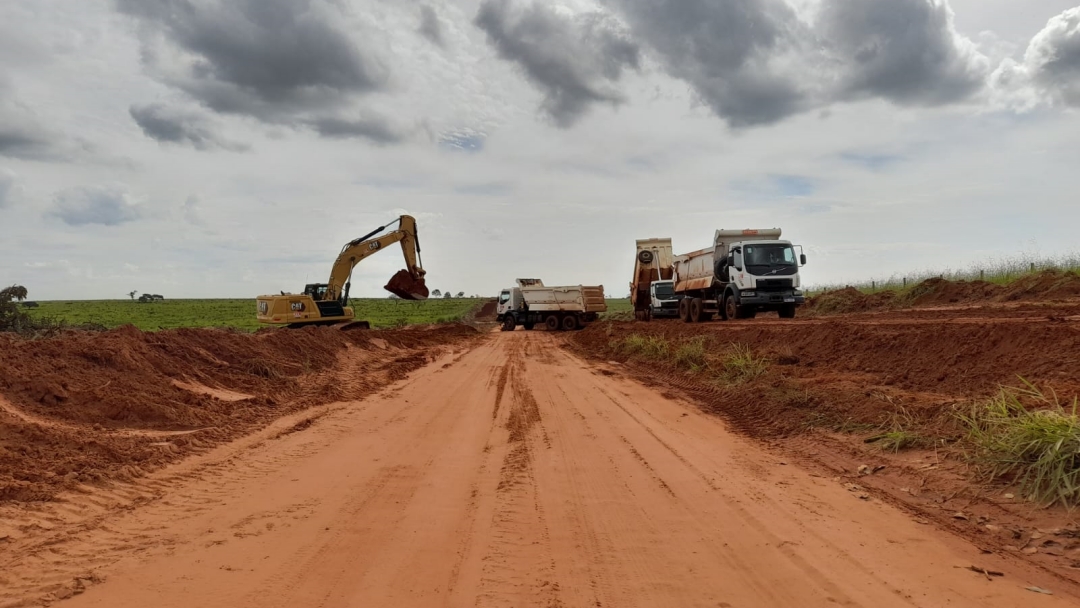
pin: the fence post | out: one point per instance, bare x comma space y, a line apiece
873, 285
982, 275
905, 281
1033, 267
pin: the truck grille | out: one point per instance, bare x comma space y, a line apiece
774, 284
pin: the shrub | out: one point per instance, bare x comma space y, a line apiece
1025, 436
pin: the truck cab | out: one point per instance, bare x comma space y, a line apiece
662, 299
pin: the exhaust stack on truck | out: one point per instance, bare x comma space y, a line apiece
743, 273
532, 303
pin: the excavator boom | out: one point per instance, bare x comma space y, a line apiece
328, 303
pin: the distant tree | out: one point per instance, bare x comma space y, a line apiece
461, 294
132, 295
448, 295
436, 293
11, 318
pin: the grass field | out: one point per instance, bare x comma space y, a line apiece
239, 314
1001, 272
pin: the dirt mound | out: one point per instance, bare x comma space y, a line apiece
839, 372
488, 311
849, 300
1042, 286
84, 406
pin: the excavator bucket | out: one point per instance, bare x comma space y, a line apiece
404, 286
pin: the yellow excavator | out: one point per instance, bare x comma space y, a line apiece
327, 303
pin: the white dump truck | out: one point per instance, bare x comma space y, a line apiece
532, 303
742, 273
652, 290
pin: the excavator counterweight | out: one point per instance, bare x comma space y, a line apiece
328, 303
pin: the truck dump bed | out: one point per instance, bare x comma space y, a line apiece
571, 298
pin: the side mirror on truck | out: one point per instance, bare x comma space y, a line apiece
802, 259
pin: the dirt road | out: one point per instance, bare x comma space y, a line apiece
514, 475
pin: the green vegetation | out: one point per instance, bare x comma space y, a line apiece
1001, 272
618, 309
237, 314
735, 364
1027, 437
898, 433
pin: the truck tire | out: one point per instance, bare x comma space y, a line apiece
697, 310
645, 256
787, 311
684, 309
570, 323
731, 307
551, 322
508, 323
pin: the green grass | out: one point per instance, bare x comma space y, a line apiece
1001, 272
898, 432
1030, 438
238, 314
741, 364
648, 347
618, 309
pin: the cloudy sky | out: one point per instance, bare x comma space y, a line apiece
227, 148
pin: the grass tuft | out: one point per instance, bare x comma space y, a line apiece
1025, 436
692, 355
648, 347
741, 364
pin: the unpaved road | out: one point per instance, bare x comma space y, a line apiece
515, 475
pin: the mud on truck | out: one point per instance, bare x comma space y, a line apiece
744, 272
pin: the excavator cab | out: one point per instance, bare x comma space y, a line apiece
317, 291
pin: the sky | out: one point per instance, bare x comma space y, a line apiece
229, 148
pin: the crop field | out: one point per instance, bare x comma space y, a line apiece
238, 313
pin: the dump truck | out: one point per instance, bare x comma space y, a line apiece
652, 291
532, 303
744, 272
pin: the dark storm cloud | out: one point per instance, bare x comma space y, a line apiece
27, 142
1053, 57
575, 61
170, 125
267, 58
377, 130
430, 26
726, 50
756, 62
104, 205
905, 51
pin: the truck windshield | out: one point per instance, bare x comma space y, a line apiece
772, 259
504, 297
664, 291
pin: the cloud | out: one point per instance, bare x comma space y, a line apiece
22, 135
1050, 71
375, 129
905, 51
174, 126
741, 57
275, 60
104, 205
7, 187
192, 211
574, 60
756, 62
431, 26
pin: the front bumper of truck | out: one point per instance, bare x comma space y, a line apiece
752, 297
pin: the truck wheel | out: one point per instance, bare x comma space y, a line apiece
508, 323
569, 323
684, 309
787, 311
697, 310
552, 323
731, 307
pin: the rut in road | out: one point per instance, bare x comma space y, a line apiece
515, 475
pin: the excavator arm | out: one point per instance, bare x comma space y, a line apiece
407, 284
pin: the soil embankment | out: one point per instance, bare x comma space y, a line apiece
83, 407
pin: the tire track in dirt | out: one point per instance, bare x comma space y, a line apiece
518, 566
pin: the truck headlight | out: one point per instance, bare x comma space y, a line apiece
749, 294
